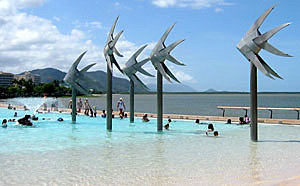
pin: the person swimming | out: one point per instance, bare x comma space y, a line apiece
25, 121
34, 118
103, 115
210, 129
4, 123
60, 119
215, 134
145, 118
167, 126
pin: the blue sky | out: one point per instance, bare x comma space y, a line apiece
53, 33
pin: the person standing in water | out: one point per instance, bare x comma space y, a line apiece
79, 105
86, 107
121, 106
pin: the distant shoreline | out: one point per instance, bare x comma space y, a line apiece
242, 93
235, 120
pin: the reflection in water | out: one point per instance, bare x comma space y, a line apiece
160, 158
254, 163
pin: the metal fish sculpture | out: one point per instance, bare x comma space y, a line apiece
78, 79
254, 41
110, 48
160, 53
132, 66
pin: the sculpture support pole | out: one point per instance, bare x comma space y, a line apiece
131, 101
159, 101
73, 105
253, 102
109, 100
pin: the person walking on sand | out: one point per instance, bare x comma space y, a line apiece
121, 106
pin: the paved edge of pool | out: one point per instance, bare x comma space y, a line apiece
180, 116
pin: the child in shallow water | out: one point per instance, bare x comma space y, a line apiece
145, 118
4, 123
168, 124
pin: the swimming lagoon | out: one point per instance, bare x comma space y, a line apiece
61, 153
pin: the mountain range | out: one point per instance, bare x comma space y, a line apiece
99, 77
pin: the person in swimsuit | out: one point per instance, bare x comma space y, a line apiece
121, 106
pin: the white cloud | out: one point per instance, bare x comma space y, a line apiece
56, 18
219, 10
195, 4
117, 4
11, 6
164, 3
184, 77
94, 24
28, 42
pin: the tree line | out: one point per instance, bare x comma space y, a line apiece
23, 88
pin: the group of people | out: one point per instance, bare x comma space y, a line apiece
88, 109
210, 129
92, 110
242, 120
26, 120
166, 126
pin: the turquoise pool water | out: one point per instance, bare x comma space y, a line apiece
61, 153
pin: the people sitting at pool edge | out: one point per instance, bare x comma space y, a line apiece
145, 118
168, 124
25, 121
4, 123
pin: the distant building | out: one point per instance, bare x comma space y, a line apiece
6, 79
36, 79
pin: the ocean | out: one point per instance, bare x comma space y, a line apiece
202, 104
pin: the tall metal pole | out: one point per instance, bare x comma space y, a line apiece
253, 102
159, 101
109, 100
73, 105
131, 101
